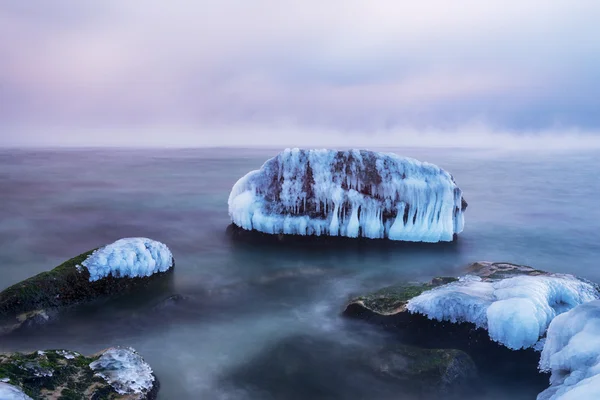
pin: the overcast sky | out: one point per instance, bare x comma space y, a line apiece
150, 72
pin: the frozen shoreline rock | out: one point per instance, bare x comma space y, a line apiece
353, 193
514, 303
110, 270
115, 374
500, 308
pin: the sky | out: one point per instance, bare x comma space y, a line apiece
285, 72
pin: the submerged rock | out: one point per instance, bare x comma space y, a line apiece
303, 366
353, 193
115, 374
110, 270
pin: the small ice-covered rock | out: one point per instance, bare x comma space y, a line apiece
354, 193
125, 370
10, 392
515, 311
130, 257
572, 354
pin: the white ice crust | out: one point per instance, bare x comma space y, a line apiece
516, 311
10, 392
125, 370
351, 198
130, 257
572, 355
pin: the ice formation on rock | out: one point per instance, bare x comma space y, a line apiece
349, 193
572, 354
10, 392
125, 370
515, 311
130, 257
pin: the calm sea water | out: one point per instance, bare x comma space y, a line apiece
242, 301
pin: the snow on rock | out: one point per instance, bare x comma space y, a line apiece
10, 392
572, 354
516, 311
349, 193
125, 370
130, 257
69, 355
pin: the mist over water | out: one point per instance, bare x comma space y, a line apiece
247, 311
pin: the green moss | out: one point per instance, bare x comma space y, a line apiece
33, 299
68, 394
44, 290
393, 298
69, 378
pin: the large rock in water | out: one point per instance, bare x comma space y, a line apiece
115, 374
496, 309
353, 193
514, 303
113, 269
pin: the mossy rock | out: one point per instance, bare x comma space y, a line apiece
38, 299
393, 299
64, 375
387, 309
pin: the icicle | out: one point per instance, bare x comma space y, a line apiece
425, 193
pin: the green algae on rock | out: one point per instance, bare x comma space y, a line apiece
393, 299
68, 375
37, 299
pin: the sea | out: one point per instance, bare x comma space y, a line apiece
257, 321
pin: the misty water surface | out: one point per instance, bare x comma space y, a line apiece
239, 301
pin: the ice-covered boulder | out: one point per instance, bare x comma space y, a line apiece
515, 311
572, 354
125, 371
513, 303
499, 308
112, 269
353, 193
116, 373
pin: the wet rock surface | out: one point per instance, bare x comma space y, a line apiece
38, 300
387, 309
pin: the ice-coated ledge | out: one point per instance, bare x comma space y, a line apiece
572, 354
515, 311
10, 392
354, 193
125, 370
129, 257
